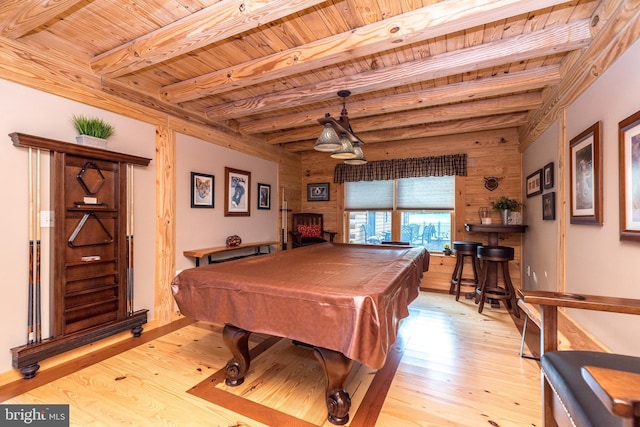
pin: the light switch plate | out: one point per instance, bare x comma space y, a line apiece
46, 219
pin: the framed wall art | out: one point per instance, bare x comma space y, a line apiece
549, 206
629, 152
586, 176
547, 176
237, 192
201, 190
264, 196
534, 183
318, 192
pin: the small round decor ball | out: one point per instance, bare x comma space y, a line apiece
234, 240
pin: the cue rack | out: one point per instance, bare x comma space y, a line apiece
91, 248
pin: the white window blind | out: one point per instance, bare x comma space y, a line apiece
429, 192
368, 195
432, 192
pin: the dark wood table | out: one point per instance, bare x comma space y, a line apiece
493, 231
344, 301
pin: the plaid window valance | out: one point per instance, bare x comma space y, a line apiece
383, 170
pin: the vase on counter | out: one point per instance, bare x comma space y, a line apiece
485, 215
504, 214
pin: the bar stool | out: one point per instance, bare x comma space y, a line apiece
491, 257
465, 250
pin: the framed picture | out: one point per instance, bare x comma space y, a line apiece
534, 183
586, 176
547, 176
318, 192
201, 190
549, 206
237, 192
264, 196
629, 152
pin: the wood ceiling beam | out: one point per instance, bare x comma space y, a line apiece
209, 25
461, 111
413, 27
502, 84
617, 24
558, 39
113, 87
484, 124
31, 14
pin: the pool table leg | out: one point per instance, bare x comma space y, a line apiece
237, 341
336, 369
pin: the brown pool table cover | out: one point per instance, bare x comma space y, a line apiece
343, 297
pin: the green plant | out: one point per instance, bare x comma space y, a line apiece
93, 127
506, 203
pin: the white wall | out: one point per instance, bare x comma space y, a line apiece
202, 228
597, 261
540, 247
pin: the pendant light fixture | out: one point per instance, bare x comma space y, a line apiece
338, 138
358, 159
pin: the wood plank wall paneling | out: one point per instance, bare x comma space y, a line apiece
491, 153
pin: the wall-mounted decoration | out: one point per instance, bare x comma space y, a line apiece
547, 176
490, 183
318, 192
201, 190
586, 176
534, 183
549, 206
629, 150
237, 192
264, 196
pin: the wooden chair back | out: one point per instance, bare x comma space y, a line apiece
306, 219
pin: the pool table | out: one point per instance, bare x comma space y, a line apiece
345, 301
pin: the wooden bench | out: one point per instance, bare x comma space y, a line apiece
568, 332
208, 252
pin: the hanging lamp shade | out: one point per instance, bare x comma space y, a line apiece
359, 159
328, 141
346, 149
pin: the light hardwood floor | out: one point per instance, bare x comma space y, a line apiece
456, 368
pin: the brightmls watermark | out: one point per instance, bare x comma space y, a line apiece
34, 415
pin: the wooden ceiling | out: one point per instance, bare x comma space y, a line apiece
272, 68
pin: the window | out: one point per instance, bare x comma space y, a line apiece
414, 210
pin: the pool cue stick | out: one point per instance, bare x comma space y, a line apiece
38, 252
130, 238
31, 249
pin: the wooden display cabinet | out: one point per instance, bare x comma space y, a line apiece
90, 250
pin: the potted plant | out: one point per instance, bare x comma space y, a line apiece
505, 205
446, 250
93, 131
